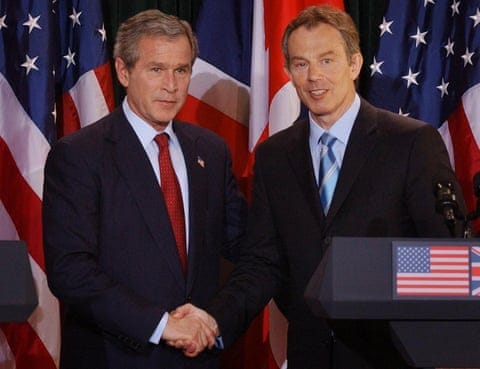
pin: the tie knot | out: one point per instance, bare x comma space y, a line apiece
327, 140
161, 140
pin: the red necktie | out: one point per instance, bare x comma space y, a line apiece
173, 197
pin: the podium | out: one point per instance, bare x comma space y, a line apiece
18, 298
425, 288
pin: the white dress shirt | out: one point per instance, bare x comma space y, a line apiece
146, 134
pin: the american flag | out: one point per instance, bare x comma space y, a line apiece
475, 270
432, 271
49, 51
427, 67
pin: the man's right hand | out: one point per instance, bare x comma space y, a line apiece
190, 329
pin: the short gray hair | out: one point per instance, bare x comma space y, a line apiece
150, 22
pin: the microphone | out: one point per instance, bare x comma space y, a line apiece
446, 200
446, 203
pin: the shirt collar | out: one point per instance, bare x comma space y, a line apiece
145, 132
341, 128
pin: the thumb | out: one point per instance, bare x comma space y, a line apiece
182, 311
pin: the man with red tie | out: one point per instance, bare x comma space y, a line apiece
138, 209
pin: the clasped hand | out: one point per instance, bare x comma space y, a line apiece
190, 329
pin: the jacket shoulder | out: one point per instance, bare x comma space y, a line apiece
288, 137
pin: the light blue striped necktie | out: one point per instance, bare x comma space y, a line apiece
328, 173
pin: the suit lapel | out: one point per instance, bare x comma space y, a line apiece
301, 163
135, 168
361, 142
196, 162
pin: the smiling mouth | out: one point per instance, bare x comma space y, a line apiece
317, 93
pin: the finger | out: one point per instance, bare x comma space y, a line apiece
207, 335
202, 337
177, 314
178, 344
191, 354
182, 311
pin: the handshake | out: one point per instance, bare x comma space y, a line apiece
190, 329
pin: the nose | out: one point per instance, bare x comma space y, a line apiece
170, 81
315, 72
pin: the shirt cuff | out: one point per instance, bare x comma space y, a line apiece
158, 332
219, 343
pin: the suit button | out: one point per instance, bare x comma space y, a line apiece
188, 299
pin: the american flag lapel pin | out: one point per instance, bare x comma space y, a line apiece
200, 162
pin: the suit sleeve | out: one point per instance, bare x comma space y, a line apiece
428, 164
71, 220
235, 213
256, 277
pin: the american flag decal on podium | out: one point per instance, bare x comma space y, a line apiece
436, 271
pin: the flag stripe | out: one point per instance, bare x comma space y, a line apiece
67, 114
465, 150
89, 99
432, 292
6, 354
432, 276
226, 94
17, 129
103, 74
234, 133
24, 208
7, 230
44, 319
27, 347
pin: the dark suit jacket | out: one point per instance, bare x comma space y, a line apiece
385, 188
110, 251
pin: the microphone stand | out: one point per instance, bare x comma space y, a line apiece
467, 225
467, 228
447, 205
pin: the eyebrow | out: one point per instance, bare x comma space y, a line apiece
166, 66
322, 55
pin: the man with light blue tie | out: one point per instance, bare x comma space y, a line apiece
349, 169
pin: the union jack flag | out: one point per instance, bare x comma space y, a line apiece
54, 77
475, 268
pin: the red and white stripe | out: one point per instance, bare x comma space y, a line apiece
88, 100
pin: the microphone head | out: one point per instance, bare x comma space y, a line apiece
446, 199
